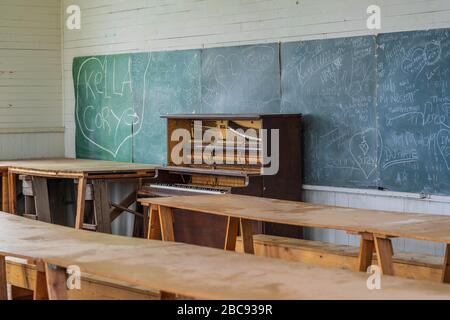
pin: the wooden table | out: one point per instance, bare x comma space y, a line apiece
375, 227
185, 270
99, 172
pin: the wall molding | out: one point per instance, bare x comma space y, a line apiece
380, 193
31, 130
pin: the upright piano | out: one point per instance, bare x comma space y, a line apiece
248, 154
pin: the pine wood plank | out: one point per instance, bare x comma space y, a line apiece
80, 205
232, 233
446, 265
384, 251
166, 220
193, 271
3, 279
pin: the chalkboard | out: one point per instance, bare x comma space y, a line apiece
376, 108
172, 85
104, 109
241, 79
414, 110
333, 83
119, 100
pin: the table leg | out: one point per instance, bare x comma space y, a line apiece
446, 266
12, 192
5, 192
166, 220
247, 236
42, 199
232, 233
154, 225
56, 282
81, 196
365, 252
101, 206
3, 279
384, 250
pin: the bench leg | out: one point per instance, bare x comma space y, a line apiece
446, 266
232, 233
247, 236
12, 192
154, 225
384, 252
3, 279
40, 286
81, 197
56, 282
166, 220
365, 253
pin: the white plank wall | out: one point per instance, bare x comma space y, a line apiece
31, 123
115, 26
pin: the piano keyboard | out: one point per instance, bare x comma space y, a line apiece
162, 189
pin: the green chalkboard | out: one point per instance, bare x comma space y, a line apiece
104, 109
171, 85
414, 110
241, 79
332, 83
376, 108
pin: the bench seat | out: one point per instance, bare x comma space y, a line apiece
407, 265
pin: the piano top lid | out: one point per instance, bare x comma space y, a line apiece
229, 116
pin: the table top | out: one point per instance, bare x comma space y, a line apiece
76, 166
408, 225
193, 271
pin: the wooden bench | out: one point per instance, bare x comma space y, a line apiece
376, 228
408, 265
185, 270
22, 278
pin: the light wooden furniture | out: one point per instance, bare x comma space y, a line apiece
22, 278
190, 271
95, 171
375, 227
406, 264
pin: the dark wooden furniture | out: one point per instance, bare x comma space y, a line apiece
239, 169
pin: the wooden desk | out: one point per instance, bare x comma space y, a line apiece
186, 270
375, 227
99, 172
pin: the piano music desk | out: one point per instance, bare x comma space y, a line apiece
185, 270
99, 172
376, 228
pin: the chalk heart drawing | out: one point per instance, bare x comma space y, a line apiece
105, 111
415, 62
443, 139
422, 57
227, 70
363, 148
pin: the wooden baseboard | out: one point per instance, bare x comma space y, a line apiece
412, 266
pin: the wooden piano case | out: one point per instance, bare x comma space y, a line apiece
238, 169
